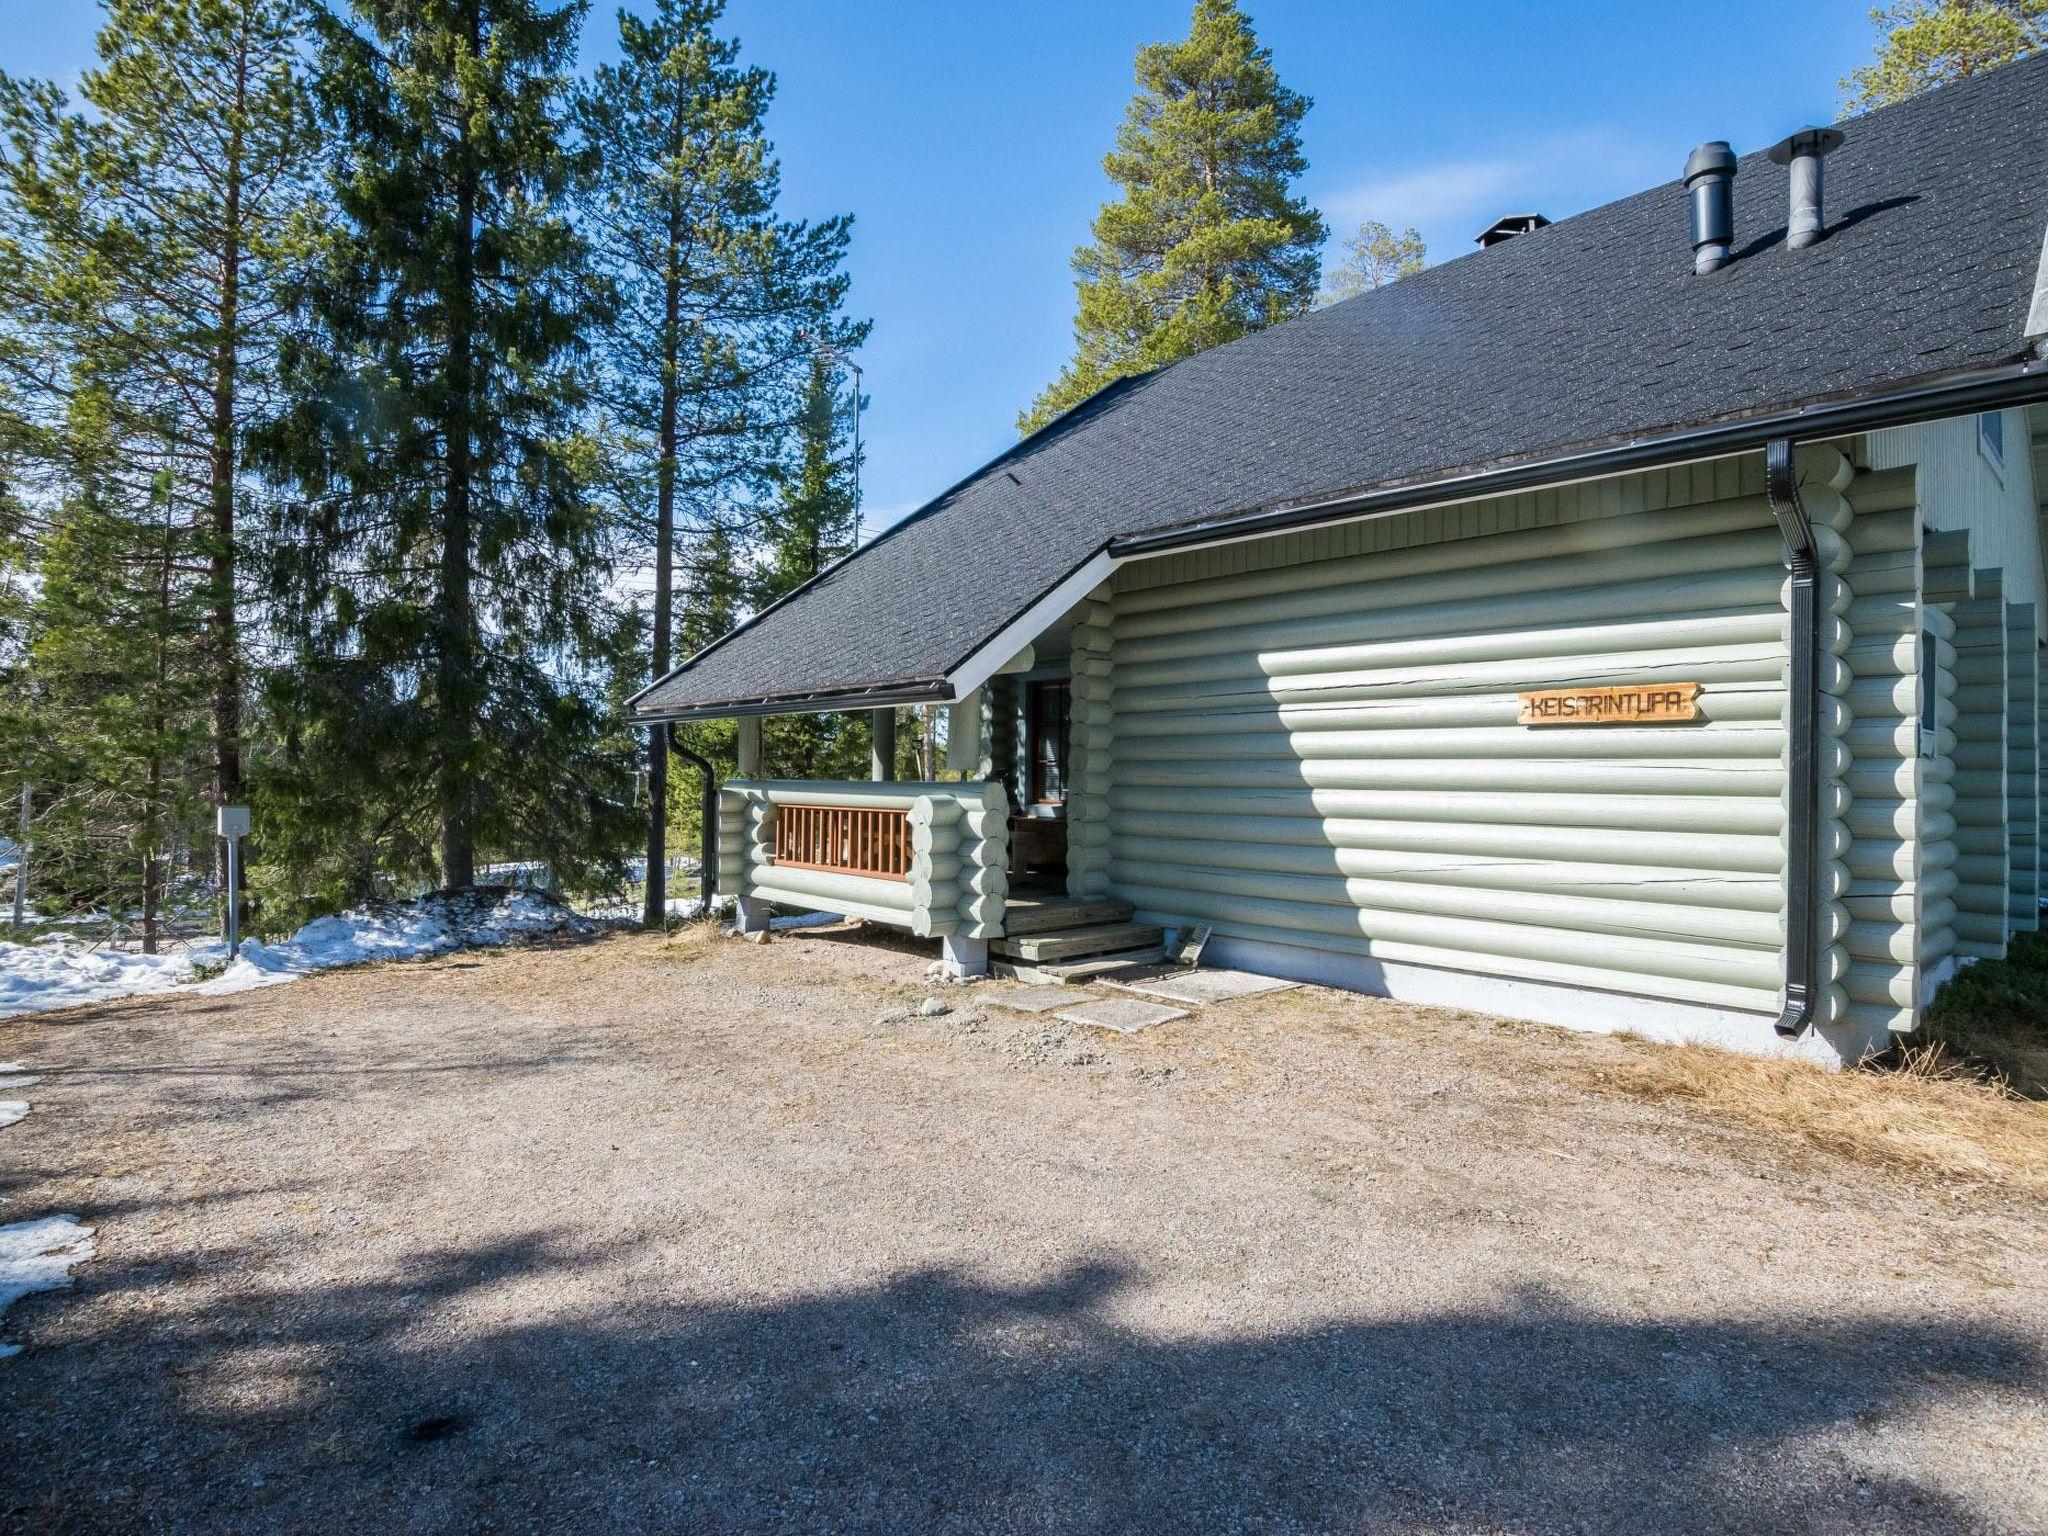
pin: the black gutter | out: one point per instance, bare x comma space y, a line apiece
707, 842
882, 697
1802, 766
2017, 384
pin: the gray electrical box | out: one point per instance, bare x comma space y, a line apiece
233, 821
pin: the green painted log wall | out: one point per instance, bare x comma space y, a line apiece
1937, 819
1312, 739
1900, 799
2022, 768
1983, 822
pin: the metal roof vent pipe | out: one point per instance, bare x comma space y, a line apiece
1710, 184
1803, 152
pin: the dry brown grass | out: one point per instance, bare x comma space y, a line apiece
1923, 1110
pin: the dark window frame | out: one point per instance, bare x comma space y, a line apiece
1036, 691
1991, 438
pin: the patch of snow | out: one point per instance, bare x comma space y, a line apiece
55, 973
12, 1110
37, 1256
410, 930
681, 908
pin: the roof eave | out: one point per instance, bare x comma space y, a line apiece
876, 696
2018, 383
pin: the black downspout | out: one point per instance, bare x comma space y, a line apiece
707, 842
1802, 800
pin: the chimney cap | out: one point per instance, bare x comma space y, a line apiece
1710, 195
1807, 141
1714, 155
1510, 226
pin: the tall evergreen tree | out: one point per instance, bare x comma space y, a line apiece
143, 244
445, 590
815, 517
714, 587
718, 302
1926, 43
119, 644
813, 521
149, 242
1208, 241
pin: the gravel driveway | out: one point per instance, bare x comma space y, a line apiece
696, 1235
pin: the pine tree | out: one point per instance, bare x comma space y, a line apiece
718, 302
1208, 241
815, 518
814, 521
445, 581
118, 649
1927, 43
151, 238
1374, 257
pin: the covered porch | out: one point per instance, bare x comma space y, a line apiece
998, 857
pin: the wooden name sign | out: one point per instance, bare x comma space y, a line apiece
1654, 704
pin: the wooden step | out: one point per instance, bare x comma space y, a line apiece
1079, 943
1024, 915
1077, 972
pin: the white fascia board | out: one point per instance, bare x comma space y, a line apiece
985, 662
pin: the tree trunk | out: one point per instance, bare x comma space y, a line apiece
227, 662
149, 878
152, 805
456, 658
654, 913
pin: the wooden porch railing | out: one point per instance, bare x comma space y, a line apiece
874, 843
929, 856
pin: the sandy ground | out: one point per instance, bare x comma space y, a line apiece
696, 1235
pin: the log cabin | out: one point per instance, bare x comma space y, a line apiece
1634, 623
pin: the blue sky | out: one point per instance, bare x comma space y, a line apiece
967, 139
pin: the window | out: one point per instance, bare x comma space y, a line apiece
1991, 438
1046, 707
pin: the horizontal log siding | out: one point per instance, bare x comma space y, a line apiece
1937, 810
1002, 707
1881, 896
1314, 739
2022, 764
1983, 824
2041, 769
1090, 749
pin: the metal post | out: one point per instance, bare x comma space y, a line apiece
232, 823
234, 895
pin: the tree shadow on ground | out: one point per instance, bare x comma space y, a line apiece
942, 1401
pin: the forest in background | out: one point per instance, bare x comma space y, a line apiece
382, 403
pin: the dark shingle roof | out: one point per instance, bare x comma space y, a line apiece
1590, 331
